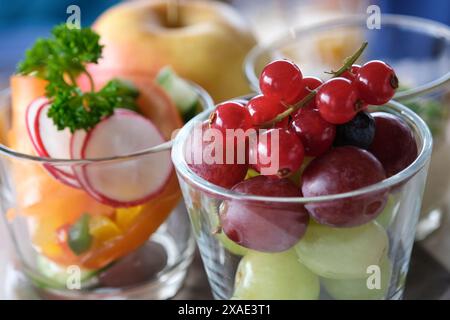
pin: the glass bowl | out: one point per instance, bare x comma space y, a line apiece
137, 251
369, 261
419, 51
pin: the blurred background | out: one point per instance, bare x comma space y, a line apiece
21, 21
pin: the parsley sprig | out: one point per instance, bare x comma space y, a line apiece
60, 60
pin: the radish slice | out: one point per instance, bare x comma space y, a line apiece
77, 143
55, 143
38, 124
58, 175
30, 121
127, 182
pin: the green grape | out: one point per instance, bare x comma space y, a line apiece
357, 289
390, 210
342, 253
232, 246
273, 276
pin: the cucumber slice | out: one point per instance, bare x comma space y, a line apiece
56, 276
185, 98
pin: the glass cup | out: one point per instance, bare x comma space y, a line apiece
364, 262
419, 51
71, 243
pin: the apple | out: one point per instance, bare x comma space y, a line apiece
207, 45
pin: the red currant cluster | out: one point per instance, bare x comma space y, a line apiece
347, 148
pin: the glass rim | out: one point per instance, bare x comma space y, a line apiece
412, 119
425, 26
11, 153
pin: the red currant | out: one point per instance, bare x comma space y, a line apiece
309, 84
316, 134
263, 109
376, 82
288, 150
281, 80
338, 101
230, 115
351, 73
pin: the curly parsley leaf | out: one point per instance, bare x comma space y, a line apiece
60, 60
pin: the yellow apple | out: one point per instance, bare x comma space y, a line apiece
207, 45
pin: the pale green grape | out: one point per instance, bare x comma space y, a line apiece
358, 289
387, 215
232, 246
275, 276
342, 253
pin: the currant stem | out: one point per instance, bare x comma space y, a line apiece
291, 109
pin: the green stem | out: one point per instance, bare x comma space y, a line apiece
91, 81
291, 109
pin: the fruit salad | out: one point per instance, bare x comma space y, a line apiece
93, 193
301, 214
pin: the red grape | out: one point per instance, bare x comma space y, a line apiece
316, 134
338, 101
264, 226
222, 174
288, 151
376, 82
394, 144
281, 80
341, 170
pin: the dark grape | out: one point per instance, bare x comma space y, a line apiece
394, 144
341, 170
264, 226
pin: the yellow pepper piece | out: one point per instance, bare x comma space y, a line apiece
103, 229
126, 216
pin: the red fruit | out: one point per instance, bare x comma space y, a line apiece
376, 82
281, 80
218, 172
338, 101
263, 109
230, 115
280, 160
351, 74
316, 134
268, 227
309, 84
394, 144
341, 170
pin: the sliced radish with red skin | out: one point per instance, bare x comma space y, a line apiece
36, 111
58, 175
54, 142
76, 143
30, 120
128, 182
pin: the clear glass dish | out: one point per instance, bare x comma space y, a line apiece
327, 263
137, 252
419, 51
